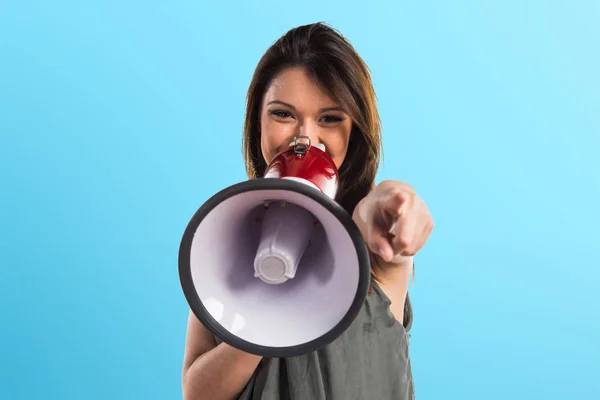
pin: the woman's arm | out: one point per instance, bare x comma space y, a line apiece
394, 280
395, 223
211, 371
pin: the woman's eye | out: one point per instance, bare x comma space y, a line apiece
281, 113
329, 119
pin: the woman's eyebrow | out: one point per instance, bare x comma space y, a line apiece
325, 109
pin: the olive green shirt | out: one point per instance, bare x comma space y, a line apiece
369, 361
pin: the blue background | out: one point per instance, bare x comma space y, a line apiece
118, 119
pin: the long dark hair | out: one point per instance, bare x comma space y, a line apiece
338, 69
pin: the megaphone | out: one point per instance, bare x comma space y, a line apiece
274, 266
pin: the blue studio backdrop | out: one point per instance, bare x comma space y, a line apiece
119, 118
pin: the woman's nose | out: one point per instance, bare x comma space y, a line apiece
309, 131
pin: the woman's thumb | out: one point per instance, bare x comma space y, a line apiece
380, 245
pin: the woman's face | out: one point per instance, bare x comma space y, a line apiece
294, 105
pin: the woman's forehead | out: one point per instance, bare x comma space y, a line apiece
298, 89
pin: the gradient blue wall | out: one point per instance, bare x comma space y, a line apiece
118, 119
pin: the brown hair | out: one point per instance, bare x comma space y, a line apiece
338, 69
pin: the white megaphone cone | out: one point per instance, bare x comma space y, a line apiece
274, 266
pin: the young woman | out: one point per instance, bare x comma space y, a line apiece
312, 82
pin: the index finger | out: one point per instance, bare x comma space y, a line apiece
394, 202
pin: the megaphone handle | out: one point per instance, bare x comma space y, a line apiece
301, 148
